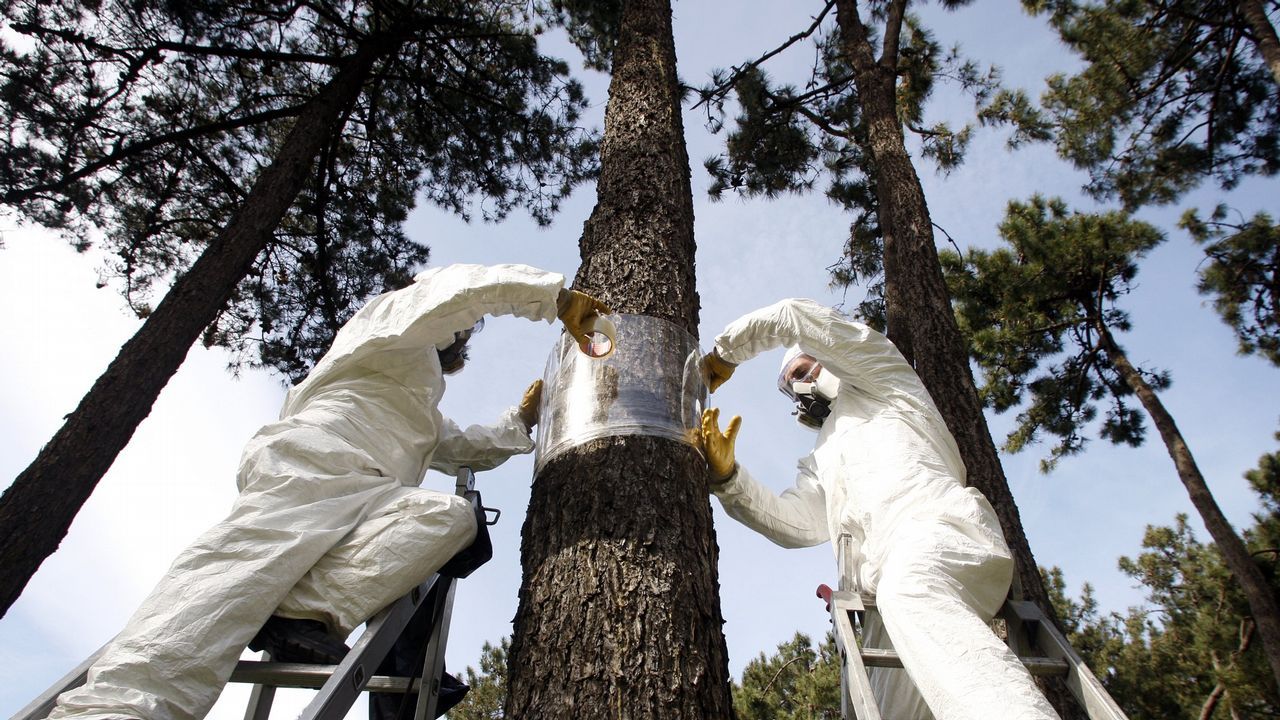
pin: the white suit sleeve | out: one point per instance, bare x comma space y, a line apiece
388, 334
481, 447
855, 353
797, 518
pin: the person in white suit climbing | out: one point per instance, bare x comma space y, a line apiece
330, 526
886, 471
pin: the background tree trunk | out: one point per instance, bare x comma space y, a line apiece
919, 317
1236, 555
619, 611
37, 509
1264, 33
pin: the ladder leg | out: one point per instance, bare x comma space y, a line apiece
260, 698
855, 684
1083, 684
433, 663
349, 677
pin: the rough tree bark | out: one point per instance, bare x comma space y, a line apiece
619, 611
919, 315
1257, 591
37, 510
1263, 33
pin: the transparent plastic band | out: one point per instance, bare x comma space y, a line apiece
650, 384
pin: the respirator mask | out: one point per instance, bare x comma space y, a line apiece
814, 398
813, 390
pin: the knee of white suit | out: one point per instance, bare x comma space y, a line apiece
945, 563
383, 558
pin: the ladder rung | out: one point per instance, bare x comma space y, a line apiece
876, 657
300, 675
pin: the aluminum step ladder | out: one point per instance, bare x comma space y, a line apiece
1041, 647
339, 686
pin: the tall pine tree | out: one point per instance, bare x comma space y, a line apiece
1042, 316
619, 609
875, 72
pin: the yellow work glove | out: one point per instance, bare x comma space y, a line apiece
716, 370
575, 308
718, 446
529, 404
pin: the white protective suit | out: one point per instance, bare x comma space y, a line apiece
886, 470
330, 524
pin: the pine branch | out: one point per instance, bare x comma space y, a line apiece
14, 197
171, 46
721, 89
892, 31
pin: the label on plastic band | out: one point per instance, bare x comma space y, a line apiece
647, 383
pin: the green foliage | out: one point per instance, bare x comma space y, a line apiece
141, 126
786, 139
1192, 645
1172, 92
798, 682
1243, 276
1039, 314
1015, 108
592, 26
1265, 480
488, 686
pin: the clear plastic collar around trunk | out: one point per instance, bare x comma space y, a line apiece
649, 385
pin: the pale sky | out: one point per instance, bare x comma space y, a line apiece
177, 476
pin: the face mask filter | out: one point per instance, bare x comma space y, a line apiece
814, 399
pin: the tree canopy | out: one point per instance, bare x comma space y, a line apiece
1172, 92
1032, 310
139, 127
1242, 275
786, 138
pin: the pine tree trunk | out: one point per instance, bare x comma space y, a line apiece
1264, 34
1257, 591
37, 510
619, 611
920, 320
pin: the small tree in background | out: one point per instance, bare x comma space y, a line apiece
488, 685
799, 681
1041, 316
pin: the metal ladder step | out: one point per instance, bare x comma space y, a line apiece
312, 677
1039, 666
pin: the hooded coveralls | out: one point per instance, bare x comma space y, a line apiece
886, 470
330, 524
